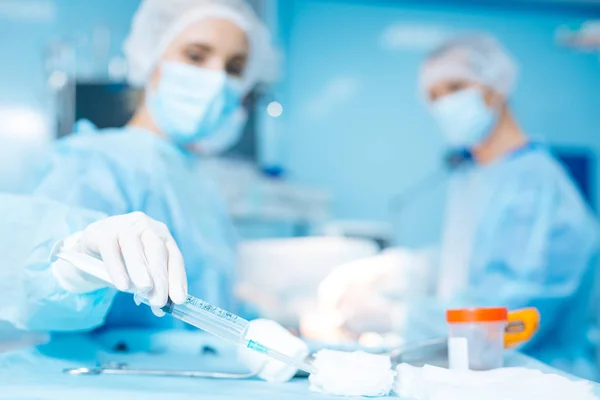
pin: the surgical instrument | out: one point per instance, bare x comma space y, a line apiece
123, 369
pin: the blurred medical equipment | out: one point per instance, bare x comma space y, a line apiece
124, 369
264, 207
194, 311
472, 58
381, 233
280, 276
83, 59
586, 37
435, 383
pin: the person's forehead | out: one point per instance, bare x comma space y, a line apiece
213, 30
452, 58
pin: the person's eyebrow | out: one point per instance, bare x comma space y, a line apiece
200, 46
240, 57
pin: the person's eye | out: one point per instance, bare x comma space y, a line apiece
456, 87
195, 57
235, 70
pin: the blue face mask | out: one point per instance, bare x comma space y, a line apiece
225, 138
464, 118
192, 103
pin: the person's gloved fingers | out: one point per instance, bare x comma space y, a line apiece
160, 229
157, 257
158, 312
110, 252
132, 250
178, 285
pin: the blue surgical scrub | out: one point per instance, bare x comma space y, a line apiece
518, 234
117, 171
30, 297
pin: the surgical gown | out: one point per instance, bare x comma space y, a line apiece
518, 234
30, 297
117, 171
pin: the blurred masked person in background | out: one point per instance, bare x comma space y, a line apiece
195, 60
517, 232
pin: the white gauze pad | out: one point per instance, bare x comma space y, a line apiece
352, 374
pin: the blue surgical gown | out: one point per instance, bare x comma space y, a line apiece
30, 297
117, 171
518, 234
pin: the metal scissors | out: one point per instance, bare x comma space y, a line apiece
123, 369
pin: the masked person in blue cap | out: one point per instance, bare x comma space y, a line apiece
195, 61
517, 232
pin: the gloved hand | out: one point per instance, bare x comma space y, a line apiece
139, 255
372, 294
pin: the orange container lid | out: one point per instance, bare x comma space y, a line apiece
495, 314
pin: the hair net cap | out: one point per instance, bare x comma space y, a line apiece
158, 22
475, 57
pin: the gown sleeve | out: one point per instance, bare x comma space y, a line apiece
31, 298
81, 173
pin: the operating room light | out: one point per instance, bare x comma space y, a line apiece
275, 109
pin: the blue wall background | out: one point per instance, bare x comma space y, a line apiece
356, 125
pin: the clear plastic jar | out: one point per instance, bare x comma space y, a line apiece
476, 338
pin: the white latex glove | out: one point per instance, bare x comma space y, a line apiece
139, 255
371, 294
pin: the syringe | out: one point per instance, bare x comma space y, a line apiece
194, 311
225, 325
